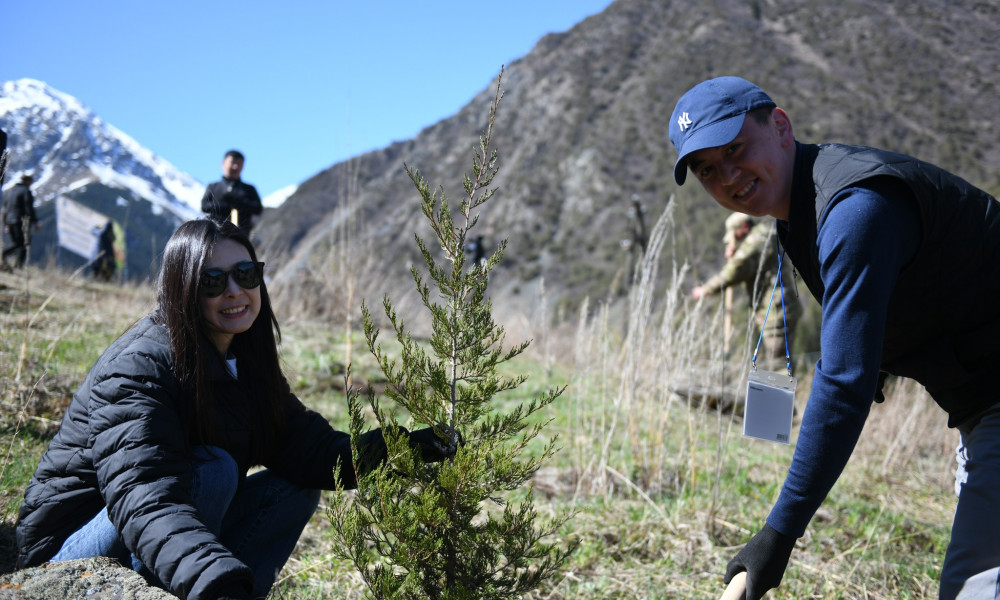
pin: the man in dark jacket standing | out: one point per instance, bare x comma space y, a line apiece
232, 193
19, 217
3, 174
883, 241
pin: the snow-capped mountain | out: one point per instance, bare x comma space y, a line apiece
75, 155
278, 197
63, 143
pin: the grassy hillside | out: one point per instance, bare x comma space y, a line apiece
664, 487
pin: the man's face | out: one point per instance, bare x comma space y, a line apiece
232, 167
753, 173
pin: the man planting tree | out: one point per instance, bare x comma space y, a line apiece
884, 242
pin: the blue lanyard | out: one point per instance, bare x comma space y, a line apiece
777, 281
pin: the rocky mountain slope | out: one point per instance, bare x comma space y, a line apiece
582, 132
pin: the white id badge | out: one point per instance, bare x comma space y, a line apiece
769, 406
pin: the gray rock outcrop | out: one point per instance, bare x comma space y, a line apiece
92, 578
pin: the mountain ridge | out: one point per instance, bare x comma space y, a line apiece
582, 134
582, 140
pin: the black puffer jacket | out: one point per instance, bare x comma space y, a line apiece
121, 445
20, 204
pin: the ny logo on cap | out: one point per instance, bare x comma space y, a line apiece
684, 121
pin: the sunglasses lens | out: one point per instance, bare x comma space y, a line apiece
248, 275
213, 282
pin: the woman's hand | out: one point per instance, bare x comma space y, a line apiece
433, 448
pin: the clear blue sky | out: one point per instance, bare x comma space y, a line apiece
297, 86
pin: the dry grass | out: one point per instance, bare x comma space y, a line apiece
665, 487
667, 490
53, 326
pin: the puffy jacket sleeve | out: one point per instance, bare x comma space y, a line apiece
143, 473
312, 449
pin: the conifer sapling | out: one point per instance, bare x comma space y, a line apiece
465, 527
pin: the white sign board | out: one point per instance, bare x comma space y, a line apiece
76, 226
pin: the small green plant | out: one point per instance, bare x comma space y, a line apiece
464, 528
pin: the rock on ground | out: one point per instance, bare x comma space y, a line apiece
92, 578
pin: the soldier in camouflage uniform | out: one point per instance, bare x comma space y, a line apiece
752, 260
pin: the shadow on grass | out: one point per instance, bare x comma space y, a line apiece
8, 548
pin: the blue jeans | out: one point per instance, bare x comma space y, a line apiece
259, 521
972, 563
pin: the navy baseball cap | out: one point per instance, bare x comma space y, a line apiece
711, 114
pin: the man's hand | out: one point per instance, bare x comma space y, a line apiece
764, 558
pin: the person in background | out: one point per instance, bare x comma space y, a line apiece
102, 265
904, 258
232, 193
150, 464
752, 260
477, 250
3, 163
19, 219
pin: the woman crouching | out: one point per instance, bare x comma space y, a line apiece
150, 463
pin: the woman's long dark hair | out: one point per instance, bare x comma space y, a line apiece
256, 349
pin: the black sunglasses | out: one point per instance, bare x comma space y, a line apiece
246, 274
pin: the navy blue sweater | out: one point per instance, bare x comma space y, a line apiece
869, 235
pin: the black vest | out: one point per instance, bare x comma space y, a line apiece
943, 321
